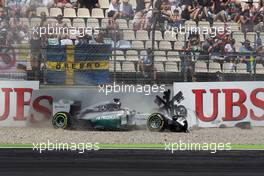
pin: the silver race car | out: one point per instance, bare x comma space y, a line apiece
107, 115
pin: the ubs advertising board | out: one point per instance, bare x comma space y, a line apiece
15, 97
228, 103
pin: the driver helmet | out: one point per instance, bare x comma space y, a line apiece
117, 102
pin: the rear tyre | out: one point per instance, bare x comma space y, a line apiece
156, 122
62, 120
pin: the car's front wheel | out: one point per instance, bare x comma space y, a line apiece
156, 122
62, 120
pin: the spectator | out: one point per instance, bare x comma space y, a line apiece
15, 29
194, 43
245, 48
246, 22
246, 52
165, 11
140, 5
53, 40
89, 4
48, 3
61, 25
143, 17
204, 54
250, 6
63, 4
140, 20
230, 49
3, 13
114, 9
205, 6
6, 38
2, 3
31, 12
112, 30
185, 13
36, 55
234, 9
258, 22
175, 4
260, 54
187, 65
175, 19
146, 64
65, 40
194, 10
260, 6
258, 40
126, 10
43, 22
3, 34
60, 22
14, 8
218, 10
99, 38
82, 40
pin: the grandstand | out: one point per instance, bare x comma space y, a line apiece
174, 59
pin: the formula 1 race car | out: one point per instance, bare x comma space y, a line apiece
168, 115
111, 116
105, 116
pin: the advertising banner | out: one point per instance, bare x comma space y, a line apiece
224, 103
15, 98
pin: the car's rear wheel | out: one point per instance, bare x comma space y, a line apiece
62, 120
156, 122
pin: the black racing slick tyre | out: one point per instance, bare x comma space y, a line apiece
156, 123
62, 120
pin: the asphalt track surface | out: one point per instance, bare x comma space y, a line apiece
25, 162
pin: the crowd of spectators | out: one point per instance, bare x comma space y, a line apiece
171, 14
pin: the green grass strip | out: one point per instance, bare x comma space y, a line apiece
138, 146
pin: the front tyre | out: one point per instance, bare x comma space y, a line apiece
61, 120
156, 122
